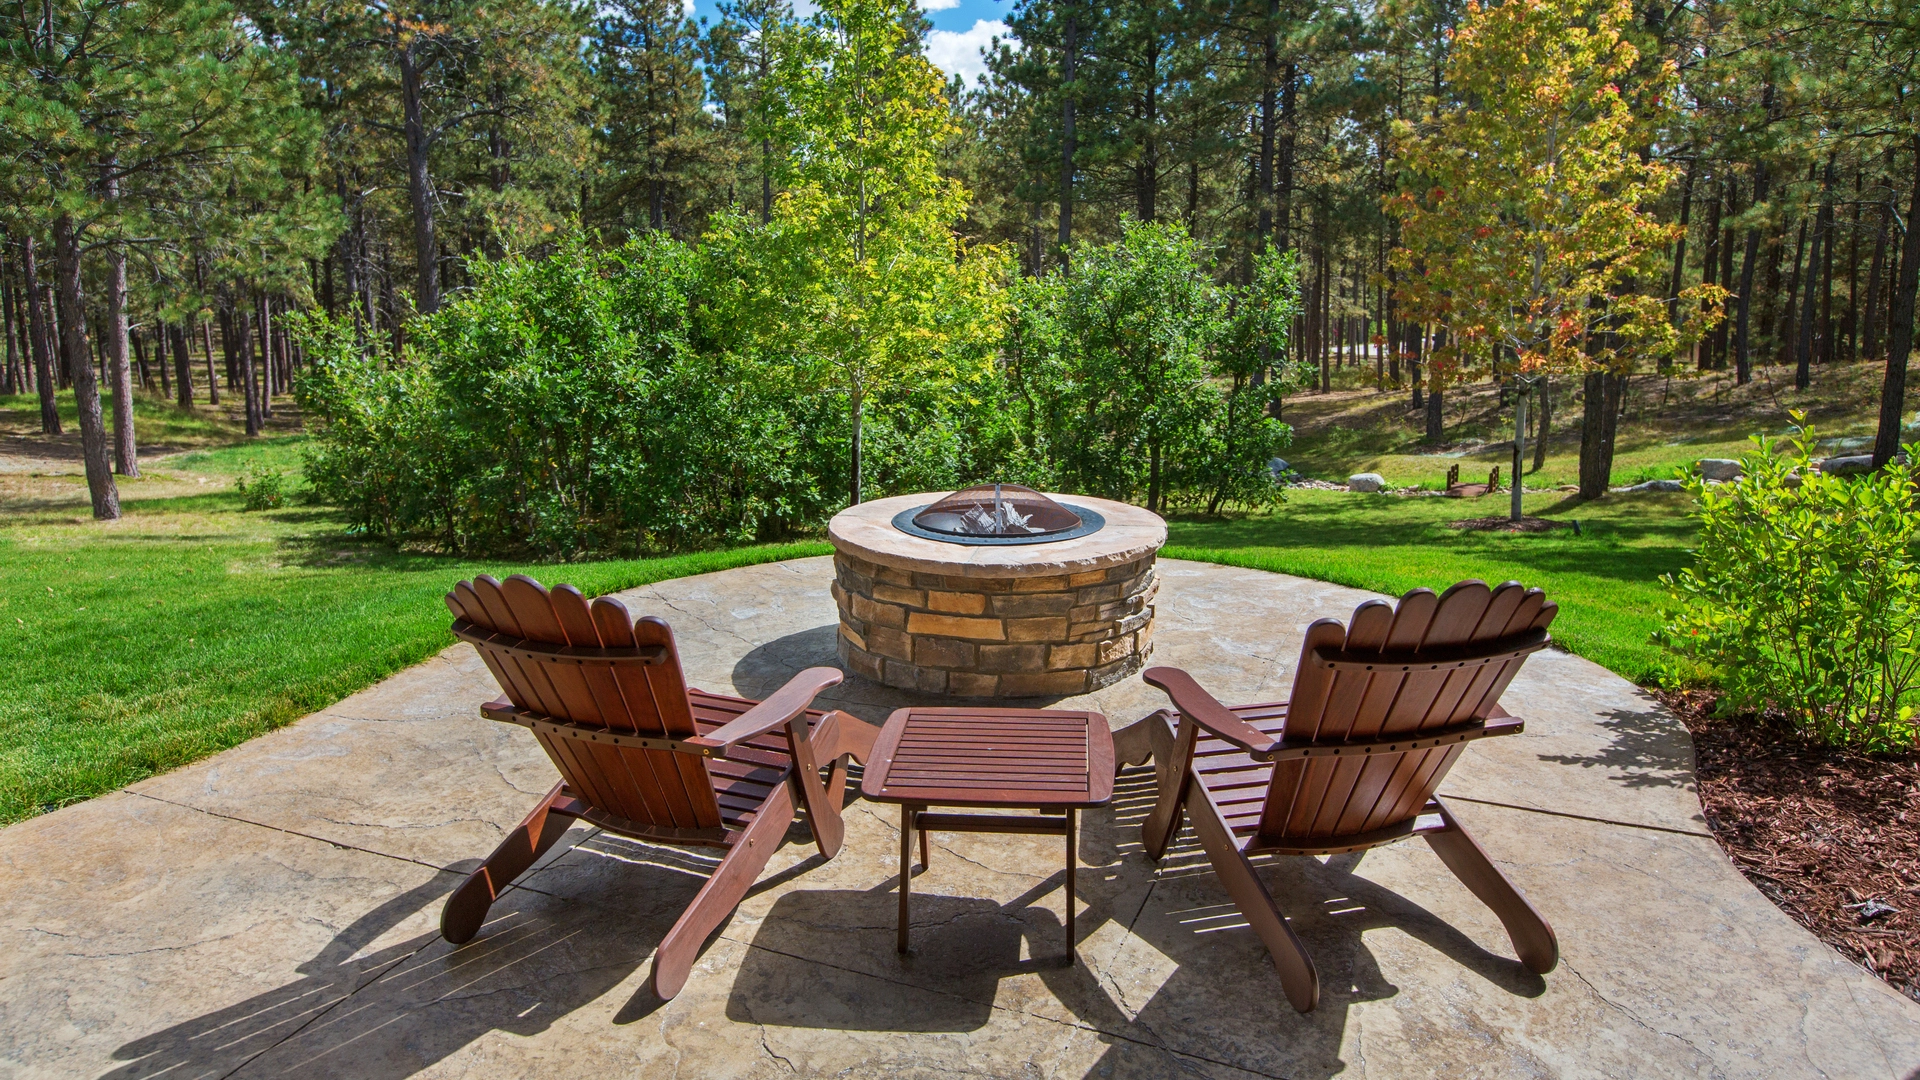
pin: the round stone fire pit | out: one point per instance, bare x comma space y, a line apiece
998, 620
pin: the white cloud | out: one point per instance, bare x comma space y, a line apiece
938, 5
957, 52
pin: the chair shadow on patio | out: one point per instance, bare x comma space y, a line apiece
368, 1012
825, 959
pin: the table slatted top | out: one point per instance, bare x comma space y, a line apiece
992, 757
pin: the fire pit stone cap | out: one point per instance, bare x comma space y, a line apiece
866, 531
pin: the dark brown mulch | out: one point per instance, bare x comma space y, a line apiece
1501, 524
1831, 836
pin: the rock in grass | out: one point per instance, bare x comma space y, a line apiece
1851, 465
1366, 481
1653, 485
1718, 468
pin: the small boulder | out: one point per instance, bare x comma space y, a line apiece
1279, 470
1654, 485
1851, 465
1366, 481
1715, 468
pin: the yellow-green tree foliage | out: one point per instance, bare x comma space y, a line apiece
861, 273
1530, 223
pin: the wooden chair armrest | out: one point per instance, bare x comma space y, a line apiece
778, 710
1204, 709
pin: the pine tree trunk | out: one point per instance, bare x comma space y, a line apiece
160, 360
11, 383
126, 458
249, 384
40, 340
86, 391
1876, 273
1893, 389
269, 377
213, 378
419, 183
1069, 57
182, 364
1743, 339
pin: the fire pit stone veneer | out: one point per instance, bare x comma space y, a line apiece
1027, 620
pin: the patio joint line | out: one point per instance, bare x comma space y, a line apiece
1582, 817
996, 1006
316, 1017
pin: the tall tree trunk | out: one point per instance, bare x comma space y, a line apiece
126, 458
1825, 336
249, 383
182, 364
1853, 271
1726, 273
1269, 67
40, 339
1809, 311
1436, 417
1515, 511
1893, 390
419, 182
1146, 176
1546, 424
86, 391
1709, 271
268, 376
855, 408
1283, 156
15, 380
160, 359
1597, 425
1876, 274
1743, 340
1069, 57
213, 379
1677, 280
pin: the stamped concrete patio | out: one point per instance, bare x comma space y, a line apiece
272, 911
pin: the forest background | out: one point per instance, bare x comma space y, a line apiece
387, 178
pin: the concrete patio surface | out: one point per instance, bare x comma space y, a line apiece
272, 911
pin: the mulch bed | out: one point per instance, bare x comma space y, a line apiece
1831, 836
1502, 524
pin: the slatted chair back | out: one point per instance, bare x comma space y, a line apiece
1425, 668
579, 672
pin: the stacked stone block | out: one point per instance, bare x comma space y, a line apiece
979, 636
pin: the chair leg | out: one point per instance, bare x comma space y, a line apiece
467, 908
1297, 974
1532, 938
722, 893
835, 738
1170, 779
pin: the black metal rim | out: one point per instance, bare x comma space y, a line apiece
1090, 522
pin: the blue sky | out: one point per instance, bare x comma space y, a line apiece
960, 29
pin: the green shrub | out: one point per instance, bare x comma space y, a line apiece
262, 487
1805, 595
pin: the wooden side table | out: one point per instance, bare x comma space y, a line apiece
1052, 761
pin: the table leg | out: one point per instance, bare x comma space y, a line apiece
924, 861
1073, 864
906, 871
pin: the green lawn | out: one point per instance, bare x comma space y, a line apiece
1606, 580
189, 627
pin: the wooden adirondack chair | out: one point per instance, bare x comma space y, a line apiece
1379, 712
642, 755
